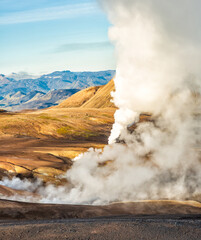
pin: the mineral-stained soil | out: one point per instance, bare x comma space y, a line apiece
38, 158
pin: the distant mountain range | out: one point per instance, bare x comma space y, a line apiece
46, 90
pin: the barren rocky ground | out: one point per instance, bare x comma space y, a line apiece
152, 227
139, 220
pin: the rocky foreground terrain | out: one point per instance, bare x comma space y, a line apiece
139, 220
151, 227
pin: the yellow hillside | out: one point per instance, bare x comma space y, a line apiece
79, 98
102, 98
93, 97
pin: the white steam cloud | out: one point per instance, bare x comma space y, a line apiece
158, 51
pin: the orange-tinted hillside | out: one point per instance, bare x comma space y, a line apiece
93, 97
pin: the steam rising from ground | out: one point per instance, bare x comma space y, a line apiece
158, 70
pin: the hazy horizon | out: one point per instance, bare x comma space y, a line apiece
37, 75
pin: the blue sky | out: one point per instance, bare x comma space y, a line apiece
40, 36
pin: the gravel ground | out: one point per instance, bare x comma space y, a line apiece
146, 228
151, 220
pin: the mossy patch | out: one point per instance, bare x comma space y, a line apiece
47, 117
106, 115
89, 134
67, 130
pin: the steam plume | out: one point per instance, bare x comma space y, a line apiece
158, 70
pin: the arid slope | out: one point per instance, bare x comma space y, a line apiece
102, 98
93, 97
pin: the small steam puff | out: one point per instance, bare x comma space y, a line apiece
158, 70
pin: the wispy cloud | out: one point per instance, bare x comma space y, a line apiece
83, 46
51, 13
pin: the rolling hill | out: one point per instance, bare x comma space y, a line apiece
93, 97
102, 98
